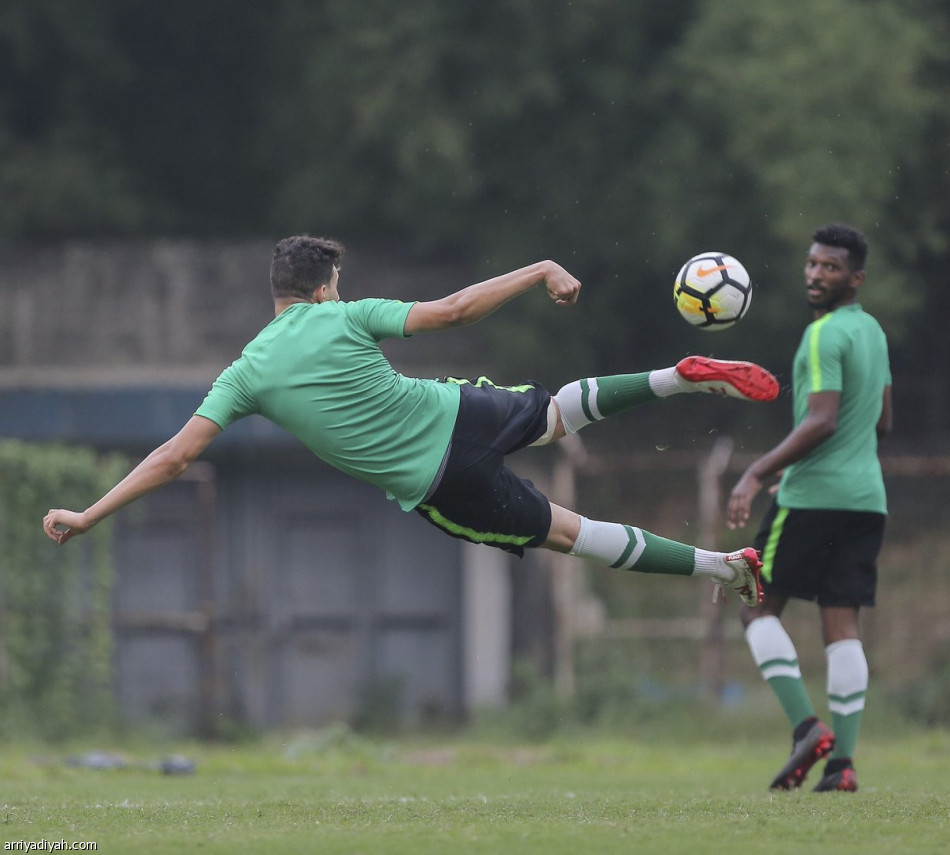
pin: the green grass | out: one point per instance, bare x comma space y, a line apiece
332, 792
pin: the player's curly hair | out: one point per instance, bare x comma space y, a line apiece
301, 264
845, 237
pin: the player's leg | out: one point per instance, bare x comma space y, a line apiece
589, 400
626, 547
851, 584
479, 499
786, 548
776, 658
847, 689
847, 675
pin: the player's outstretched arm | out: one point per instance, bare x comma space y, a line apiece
164, 464
477, 301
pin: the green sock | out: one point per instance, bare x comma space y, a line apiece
793, 698
777, 660
622, 391
847, 688
846, 729
625, 547
665, 556
583, 402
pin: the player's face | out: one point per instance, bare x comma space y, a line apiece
829, 280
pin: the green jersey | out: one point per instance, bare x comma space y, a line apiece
318, 372
843, 351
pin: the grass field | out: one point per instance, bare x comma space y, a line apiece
700, 791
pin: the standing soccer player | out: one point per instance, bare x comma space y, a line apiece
822, 533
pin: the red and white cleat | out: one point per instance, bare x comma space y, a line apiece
744, 380
748, 579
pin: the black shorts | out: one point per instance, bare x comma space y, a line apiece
478, 498
828, 556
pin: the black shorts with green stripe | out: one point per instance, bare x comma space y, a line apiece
478, 498
824, 555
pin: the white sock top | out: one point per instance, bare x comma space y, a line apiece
665, 382
712, 564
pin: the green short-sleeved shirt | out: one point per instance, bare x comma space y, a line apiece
318, 372
843, 351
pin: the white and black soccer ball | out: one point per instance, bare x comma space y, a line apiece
712, 290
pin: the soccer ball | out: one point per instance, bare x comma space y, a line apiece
712, 291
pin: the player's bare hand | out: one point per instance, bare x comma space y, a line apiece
561, 286
740, 501
61, 525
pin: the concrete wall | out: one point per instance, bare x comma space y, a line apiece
174, 313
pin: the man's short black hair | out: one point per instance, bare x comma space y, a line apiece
301, 264
845, 237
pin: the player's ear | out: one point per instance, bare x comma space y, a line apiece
857, 279
320, 293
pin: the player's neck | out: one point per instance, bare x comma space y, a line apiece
286, 303
821, 311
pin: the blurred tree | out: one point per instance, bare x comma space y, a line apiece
916, 234
500, 130
189, 118
762, 122
60, 173
125, 116
808, 125
495, 105
817, 111
618, 138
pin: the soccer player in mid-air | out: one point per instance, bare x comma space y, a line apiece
435, 446
824, 528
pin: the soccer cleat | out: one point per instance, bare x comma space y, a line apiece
811, 741
839, 777
744, 380
747, 582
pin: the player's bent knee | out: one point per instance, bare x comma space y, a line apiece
554, 429
565, 526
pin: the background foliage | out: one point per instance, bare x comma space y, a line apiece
55, 605
618, 138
